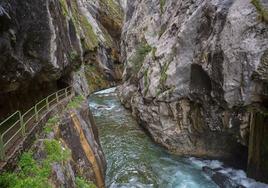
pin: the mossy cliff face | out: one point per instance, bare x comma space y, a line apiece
192, 71
44, 43
66, 154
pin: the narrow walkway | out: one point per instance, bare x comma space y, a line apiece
20, 133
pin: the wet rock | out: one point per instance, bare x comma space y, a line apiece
222, 180
205, 67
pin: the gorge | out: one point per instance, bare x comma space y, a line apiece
191, 74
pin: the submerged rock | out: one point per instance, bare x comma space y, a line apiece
220, 179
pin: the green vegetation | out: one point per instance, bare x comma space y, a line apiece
153, 52
95, 78
146, 81
82, 25
64, 7
163, 78
111, 15
162, 30
55, 152
162, 5
91, 39
50, 124
138, 58
205, 57
75, 102
108, 39
261, 10
73, 55
82, 183
35, 173
112, 9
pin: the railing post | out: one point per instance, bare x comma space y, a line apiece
36, 112
22, 126
57, 97
47, 103
72, 92
66, 92
2, 149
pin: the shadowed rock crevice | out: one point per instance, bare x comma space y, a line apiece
200, 81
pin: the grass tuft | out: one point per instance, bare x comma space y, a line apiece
82, 183
55, 152
75, 102
33, 173
50, 124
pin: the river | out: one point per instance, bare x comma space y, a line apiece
134, 160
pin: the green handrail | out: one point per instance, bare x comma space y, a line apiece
19, 127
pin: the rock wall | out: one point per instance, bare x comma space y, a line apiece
44, 43
77, 129
195, 71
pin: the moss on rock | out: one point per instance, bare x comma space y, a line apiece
64, 7
95, 78
84, 28
261, 10
142, 50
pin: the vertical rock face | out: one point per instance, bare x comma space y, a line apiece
44, 43
79, 132
192, 71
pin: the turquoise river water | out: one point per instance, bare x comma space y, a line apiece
134, 160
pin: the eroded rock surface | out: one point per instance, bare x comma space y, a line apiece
44, 43
193, 70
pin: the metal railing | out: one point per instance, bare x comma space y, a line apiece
18, 125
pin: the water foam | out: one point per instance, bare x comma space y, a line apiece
238, 176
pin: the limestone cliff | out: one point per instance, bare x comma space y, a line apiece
196, 75
47, 45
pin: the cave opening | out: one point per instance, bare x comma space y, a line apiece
62, 82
